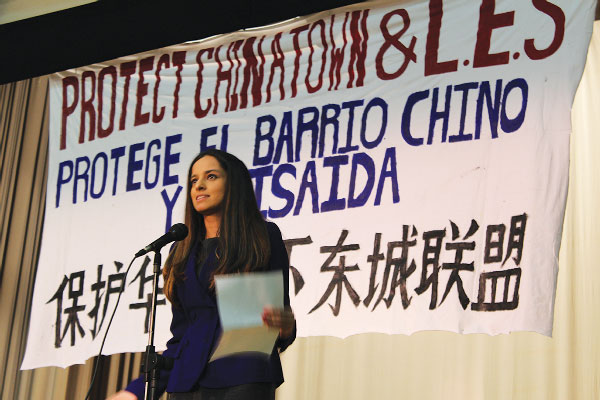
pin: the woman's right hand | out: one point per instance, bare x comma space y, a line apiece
123, 395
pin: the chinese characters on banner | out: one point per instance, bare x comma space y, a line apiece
414, 155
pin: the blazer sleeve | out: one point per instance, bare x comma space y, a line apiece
279, 260
179, 324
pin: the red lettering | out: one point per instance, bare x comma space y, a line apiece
298, 50
337, 55
68, 109
178, 61
127, 69
394, 40
235, 47
358, 48
222, 75
112, 72
157, 117
278, 62
432, 65
87, 107
252, 72
200, 112
309, 87
557, 15
488, 21
142, 90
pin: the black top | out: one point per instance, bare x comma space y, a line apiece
209, 246
196, 330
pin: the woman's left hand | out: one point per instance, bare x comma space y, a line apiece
280, 318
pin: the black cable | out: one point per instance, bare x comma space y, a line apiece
87, 396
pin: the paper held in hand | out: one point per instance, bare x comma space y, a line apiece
241, 299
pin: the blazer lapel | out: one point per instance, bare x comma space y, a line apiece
196, 288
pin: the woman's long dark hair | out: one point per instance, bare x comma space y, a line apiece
243, 238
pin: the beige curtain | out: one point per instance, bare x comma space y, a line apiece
426, 365
23, 173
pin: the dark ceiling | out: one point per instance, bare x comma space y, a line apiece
108, 29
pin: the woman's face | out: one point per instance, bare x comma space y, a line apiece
207, 186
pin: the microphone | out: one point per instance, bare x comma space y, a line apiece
176, 233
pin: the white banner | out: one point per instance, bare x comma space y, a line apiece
414, 154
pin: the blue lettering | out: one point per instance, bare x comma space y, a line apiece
311, 126
133, 166
406, 117
170, 204
61, 177
334, 203
81, 175
204, 135
510, 125
388, 170
104, 158
363, 128
309, 182
285, 137
329, 120
116, 154
208, 132
461, 137
368, 165
224, 137
170, 159
493, 107
443, 115
261, 136
282, 193
350, 106
156, 158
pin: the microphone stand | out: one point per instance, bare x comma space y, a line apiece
153, 361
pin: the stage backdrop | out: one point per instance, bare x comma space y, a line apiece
415, 156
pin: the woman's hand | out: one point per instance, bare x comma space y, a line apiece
280, 318
123, 395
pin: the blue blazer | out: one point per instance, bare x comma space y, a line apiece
196, 329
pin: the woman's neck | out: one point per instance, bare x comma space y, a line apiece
211, 224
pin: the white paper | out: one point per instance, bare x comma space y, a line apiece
241, 299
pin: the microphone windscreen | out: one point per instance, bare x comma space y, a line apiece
178, 231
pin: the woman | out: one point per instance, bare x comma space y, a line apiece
227, 235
